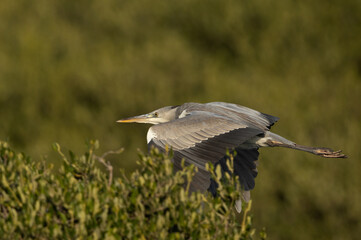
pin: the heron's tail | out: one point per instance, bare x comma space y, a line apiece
274, 140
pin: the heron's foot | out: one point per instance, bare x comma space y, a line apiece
329, 153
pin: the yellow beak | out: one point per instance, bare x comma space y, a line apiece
137, 119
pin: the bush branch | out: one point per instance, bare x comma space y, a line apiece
107, 164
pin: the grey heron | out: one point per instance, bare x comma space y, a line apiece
201, 133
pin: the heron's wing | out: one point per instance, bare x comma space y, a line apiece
201, 137
248, 115
244, 166
197, 127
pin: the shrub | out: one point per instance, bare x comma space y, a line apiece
80, 201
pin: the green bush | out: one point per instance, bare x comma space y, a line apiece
80, 201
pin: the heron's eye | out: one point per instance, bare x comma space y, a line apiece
155, 114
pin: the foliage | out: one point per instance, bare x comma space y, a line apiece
80, 203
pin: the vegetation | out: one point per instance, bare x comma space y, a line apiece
70, 69
82, 202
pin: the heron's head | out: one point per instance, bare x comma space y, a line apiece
160, 115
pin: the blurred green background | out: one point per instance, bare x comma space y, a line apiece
70, 69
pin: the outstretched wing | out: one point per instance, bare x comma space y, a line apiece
250, 116
201, 137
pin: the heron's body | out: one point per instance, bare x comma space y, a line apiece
202, 133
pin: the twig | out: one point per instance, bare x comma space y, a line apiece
244, 221
108, 166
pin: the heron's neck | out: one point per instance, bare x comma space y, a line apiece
170, 115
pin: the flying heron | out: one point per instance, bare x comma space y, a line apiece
201, 133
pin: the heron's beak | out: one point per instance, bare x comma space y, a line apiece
137, 119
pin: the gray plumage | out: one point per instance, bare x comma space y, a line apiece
201, 133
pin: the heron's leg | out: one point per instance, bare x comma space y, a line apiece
323, 152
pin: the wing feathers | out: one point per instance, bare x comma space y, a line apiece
244, 167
